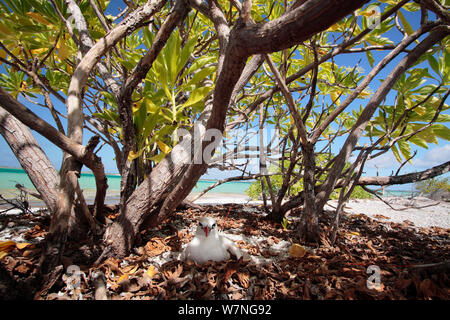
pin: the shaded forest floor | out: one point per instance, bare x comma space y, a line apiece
414, 262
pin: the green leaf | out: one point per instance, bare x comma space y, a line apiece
405, 148
149, 125
370, 58
396, 153
158, 158
418, 141
408, 28
434, 64
196, 96
170, 54
151, 106
148, 38
162, 133
199, 76
186, 53
108, 115
441, 131
198, 64
428, 135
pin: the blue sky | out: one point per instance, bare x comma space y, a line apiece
386, 164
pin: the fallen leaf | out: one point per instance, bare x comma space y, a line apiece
173, 275
429, 289
380, 216
22, 245
122, 278
155, 246
297, 251
151, 271
6, 245
369, 245
244, 279
130, 269
23, 269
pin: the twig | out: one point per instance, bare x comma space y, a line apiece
28, 191
376, 195
445, 264
404, 162
402, 209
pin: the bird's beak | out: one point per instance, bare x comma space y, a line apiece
206, 230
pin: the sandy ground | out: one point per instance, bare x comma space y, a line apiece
421, 211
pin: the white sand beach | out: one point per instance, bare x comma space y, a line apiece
421, 211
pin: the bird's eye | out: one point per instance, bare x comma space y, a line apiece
200, 224
214, 225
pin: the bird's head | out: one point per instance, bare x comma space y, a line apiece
207, 227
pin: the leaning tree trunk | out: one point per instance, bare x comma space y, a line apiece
31, 157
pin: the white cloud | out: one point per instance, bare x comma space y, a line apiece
386, 160
433, 157
386, 164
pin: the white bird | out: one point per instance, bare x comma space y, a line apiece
208, 244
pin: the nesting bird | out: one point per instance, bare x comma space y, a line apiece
208, 244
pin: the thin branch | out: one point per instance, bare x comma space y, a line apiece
290, 101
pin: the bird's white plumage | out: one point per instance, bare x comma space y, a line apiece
208, 244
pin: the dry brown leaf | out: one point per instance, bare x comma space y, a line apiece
130, 269
22, 268
244, 279
155, 246
172, 275
113, 265
37, 231
369, 245
297, 251
380, 216
428, 288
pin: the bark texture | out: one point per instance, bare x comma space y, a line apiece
31, 157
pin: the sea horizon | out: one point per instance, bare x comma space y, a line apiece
10, 176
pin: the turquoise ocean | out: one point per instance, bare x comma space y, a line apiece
9, 177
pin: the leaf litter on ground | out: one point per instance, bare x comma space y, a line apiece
413, 262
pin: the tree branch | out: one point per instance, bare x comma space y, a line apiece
435, 36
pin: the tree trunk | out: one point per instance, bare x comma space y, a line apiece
309, 221
147, 199
31, 157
